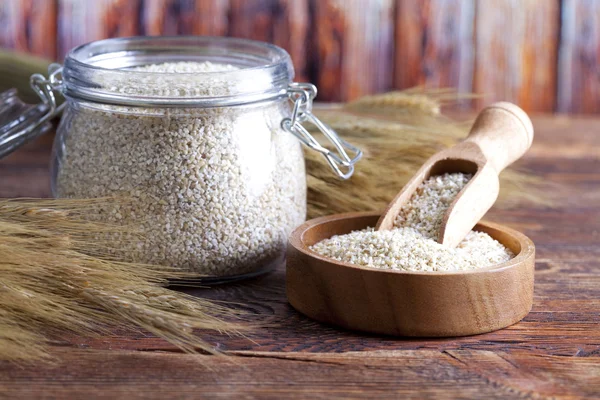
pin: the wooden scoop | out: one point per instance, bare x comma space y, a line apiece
501, 134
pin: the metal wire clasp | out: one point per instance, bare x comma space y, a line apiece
45, 89
302, 95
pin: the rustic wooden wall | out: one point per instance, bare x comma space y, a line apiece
541, 54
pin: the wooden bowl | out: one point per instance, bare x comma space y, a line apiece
407, 303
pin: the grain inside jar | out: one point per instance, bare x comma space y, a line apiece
214, 190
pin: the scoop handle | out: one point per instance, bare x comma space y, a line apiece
504, 132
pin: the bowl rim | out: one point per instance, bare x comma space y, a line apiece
297, 236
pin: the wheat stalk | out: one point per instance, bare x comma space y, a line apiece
417, 100
397, 132
50, 284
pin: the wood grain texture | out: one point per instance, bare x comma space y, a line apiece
434, 44
554, 351
29, 26
276, 375
352, 45
177, 17
579, 64
540, 54
281, 22
80, 22
516, 47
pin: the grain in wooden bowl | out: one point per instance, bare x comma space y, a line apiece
411, 242
401, 303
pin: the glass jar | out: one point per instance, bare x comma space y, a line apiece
194, 140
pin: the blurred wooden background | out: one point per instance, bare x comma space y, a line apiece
541, 54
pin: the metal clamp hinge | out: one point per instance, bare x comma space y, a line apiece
302, 95
45, 88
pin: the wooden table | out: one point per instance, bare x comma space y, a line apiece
555, 351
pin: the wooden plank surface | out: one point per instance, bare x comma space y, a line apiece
553, 352
274, 375
434, 44
516, 47
352, 44
542, 54
281, 22
80, 22
29, 26
174, 17
579, 64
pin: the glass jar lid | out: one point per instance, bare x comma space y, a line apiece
112, 71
